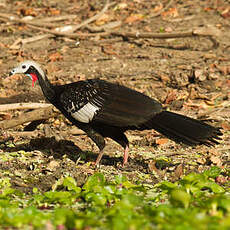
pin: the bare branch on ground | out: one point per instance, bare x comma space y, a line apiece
55, 19
14, 19
106, 30
66, 34
37, 114
19, 106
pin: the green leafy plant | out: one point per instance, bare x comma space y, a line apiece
194, 202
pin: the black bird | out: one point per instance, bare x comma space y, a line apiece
103, 109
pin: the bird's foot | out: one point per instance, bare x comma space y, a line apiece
126, 156
95, 165
97, 162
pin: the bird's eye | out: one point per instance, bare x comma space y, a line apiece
23, 66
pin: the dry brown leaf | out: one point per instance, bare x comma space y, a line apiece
227, 83
214, 152
223, 69
133, 18
162, 141
147, 28
2, 45
179, 171
108, 50
121, 6
225, 126
55, 57
225, 13
201, 160
172, 96
168, 29
27, 12
172, 12
208, 9
103, 19
193, 94
199, 74
216, 160
165, 78
5, 116
64, 49
87, 168
152, 168
53, 165
54, 11
158, 7
210, 56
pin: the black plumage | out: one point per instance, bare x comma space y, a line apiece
104, 109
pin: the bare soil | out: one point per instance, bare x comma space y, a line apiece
187, 75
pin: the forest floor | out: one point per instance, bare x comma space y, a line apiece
189, 75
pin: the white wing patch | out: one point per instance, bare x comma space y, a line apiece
86, 113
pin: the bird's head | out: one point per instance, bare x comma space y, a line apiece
30, 69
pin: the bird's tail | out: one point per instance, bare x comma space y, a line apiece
184, 129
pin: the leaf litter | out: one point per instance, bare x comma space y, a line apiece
191, 81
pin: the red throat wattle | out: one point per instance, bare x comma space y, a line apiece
34, 78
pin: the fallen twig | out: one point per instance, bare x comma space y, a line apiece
214, 111
35, 38
68, 31
103, 28
39, 25
73, 131
152, 35
17, 44
72, 28
55, 19
37, 114
68, 35
19, 106
30, 134
192, 33
29, 22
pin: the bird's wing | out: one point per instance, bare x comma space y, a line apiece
108, 103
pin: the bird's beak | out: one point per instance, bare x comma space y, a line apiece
11, 73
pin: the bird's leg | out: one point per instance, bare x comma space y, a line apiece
120, 138
99, 141
99, 157
126, 155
